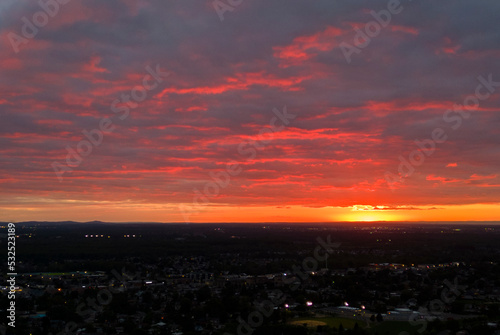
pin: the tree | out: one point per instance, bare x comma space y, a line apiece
341, 328
356, 330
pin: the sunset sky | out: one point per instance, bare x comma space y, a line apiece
270, 111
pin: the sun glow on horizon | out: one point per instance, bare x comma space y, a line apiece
119, 211
371, 217
367, 213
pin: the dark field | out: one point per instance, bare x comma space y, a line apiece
210, 278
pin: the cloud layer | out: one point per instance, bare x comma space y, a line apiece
353, 120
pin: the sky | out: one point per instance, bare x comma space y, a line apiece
249, 110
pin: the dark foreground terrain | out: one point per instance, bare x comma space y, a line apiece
356, 278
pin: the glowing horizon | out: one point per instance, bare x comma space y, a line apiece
222, 214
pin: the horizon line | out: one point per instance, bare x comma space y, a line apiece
262, 222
